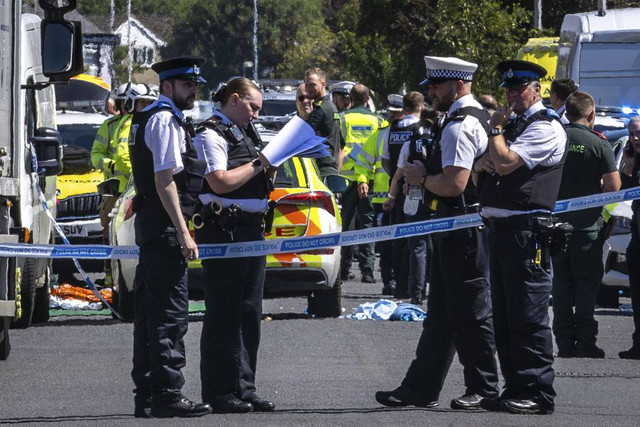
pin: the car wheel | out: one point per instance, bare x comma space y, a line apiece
607, 297
123, 299
27, 294
327, 303
5, 345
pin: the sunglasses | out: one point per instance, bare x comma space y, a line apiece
301, 98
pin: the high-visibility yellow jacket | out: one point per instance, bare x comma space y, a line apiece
122, 160
369, 162
356, 124
103, 150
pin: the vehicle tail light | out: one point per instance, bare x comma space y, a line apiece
128, 211
315, 198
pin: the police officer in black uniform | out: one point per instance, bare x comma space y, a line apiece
168, 179
459, 304
402, 130
518, 189
238, 183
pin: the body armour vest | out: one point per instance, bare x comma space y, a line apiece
448, 206
397, 137
243, 148
188, 180
523, 189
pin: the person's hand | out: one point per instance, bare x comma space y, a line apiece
388, 205
501, 116
363, 190
189, 247
414, 173
484, 164
405, 189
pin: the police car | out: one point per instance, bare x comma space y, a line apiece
304, 207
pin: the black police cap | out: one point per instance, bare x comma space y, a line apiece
183, 68
516, 72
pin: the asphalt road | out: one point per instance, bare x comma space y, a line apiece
75, 371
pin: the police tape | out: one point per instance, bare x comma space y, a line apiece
304, 244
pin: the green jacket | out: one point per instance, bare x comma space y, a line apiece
369, 162
357, 125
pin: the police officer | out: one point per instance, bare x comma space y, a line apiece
519, 184
459, 303
238, 184
630, 176
405, 128
590, 168
357, 124
341, 95
168, 179
325, 120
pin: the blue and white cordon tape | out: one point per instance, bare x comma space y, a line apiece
302, 244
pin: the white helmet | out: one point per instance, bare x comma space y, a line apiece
121, 93
138, 91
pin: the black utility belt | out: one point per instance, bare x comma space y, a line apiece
514, 222
227, 218
442, 209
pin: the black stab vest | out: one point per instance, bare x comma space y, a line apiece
243, 148
523, 189
448, 206
188, 180
397, 137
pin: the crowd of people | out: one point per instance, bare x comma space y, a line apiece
487, 288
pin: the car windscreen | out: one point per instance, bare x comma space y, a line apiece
286, 176
278, 107
80, 134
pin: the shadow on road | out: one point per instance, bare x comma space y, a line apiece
66, 418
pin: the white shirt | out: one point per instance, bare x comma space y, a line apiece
407, 120
563, 114
214, 149
165, 137
462, 141
542, 143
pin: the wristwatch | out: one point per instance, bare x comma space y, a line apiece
257, 163
496, 131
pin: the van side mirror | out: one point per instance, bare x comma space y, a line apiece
47, 143
61, 49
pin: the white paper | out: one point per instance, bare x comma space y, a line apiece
297, 137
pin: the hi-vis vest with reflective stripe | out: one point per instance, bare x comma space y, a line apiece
356, 125
369, 162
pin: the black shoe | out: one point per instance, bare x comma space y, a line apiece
525, 406
347, 276
232, 406
182, 407
367, 278
566, 352
633, 353
592, 352
490, 404
142, 406
388, 290
416, 301
401, 295
403, 397
260, 405
467, 402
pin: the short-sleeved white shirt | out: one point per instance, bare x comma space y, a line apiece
214, 149
542, 143
463, 141
165, 137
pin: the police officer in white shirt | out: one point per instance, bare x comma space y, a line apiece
518, 185
459, 302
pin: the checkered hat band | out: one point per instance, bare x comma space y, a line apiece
449, 75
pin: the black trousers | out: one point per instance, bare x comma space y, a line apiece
419, 248
233, 289
384, 247
633, 265
400, 263
458, 318
520, 291
351, 205
161, 308
576, 277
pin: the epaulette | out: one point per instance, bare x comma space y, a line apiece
598, 134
